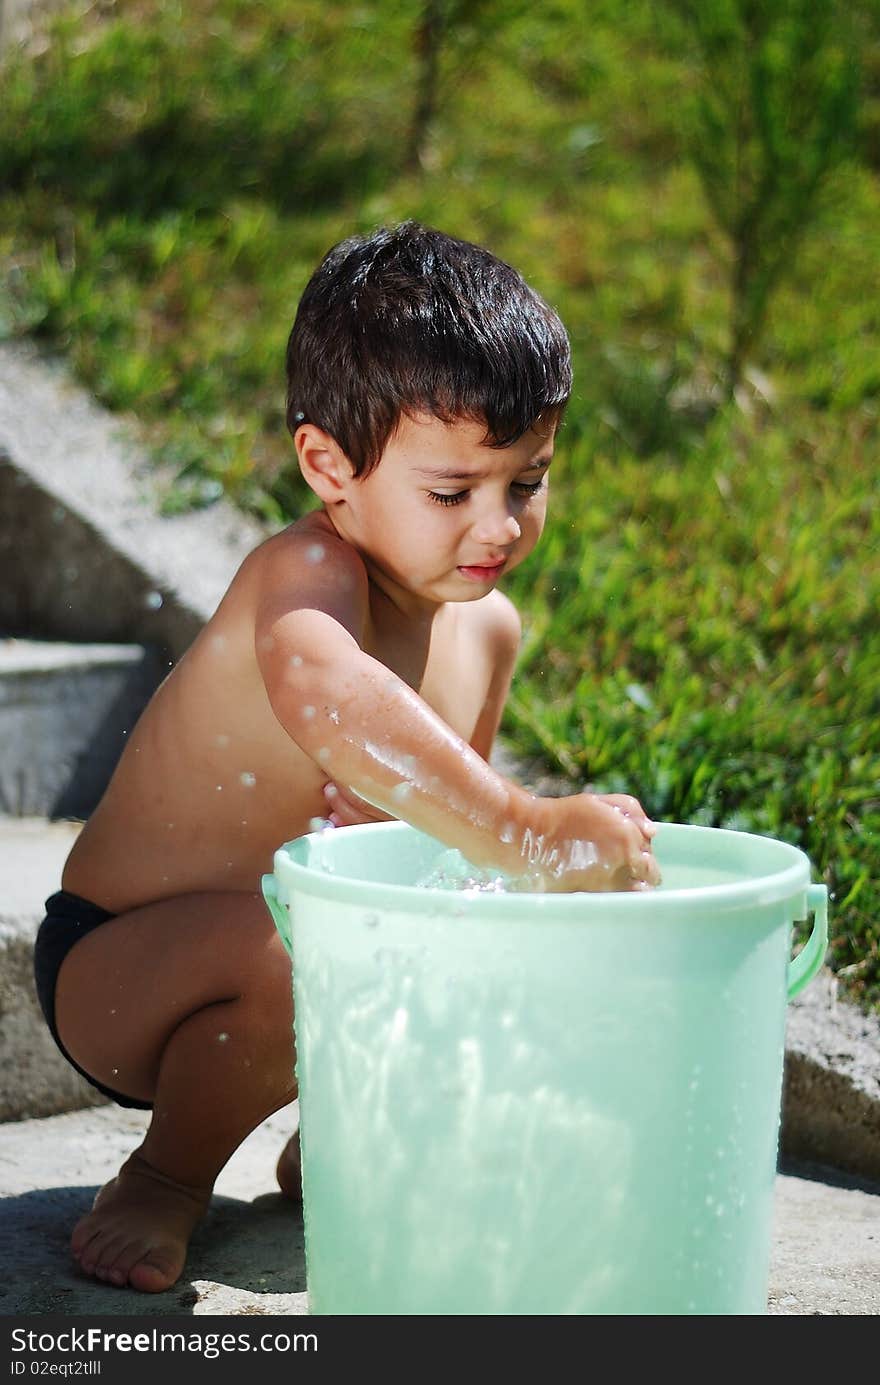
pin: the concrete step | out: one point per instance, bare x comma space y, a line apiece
35, 1080
65, 710
75, 483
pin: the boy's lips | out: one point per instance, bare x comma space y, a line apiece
482, 572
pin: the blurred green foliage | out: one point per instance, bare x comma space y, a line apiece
694, 186
771, 114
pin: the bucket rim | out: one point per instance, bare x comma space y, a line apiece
791, 878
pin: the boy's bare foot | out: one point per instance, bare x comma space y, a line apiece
289, 1169
139, 1227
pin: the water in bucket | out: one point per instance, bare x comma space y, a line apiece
551, 1104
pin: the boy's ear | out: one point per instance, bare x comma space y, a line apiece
323, 463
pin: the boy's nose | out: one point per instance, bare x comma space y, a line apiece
500, 527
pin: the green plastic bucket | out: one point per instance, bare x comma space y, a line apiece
541, 1104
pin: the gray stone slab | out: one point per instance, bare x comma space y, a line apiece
65, 711
831, 1096
35, 1079
85, 552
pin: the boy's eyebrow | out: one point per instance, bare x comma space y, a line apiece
447, 474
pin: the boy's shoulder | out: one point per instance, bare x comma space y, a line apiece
309, 550
308, 564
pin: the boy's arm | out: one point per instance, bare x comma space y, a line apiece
366, 728
502, 633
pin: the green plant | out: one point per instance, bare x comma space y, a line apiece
772, 112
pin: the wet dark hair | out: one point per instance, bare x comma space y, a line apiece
409, 320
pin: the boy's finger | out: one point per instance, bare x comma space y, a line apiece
631, 808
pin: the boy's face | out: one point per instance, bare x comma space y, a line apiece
443, 517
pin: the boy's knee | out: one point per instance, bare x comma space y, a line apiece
268, 986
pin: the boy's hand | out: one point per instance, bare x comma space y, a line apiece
345, 808
592, 842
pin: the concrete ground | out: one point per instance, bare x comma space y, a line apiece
247, 1257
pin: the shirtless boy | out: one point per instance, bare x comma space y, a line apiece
364, 650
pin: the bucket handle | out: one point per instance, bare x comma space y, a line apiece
804, 966
279, 913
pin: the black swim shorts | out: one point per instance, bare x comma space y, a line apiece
68, 918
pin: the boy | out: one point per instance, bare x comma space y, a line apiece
360, 657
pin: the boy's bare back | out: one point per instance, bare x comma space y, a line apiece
210, 782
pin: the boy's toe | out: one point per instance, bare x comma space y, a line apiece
110, 1265
155, 1272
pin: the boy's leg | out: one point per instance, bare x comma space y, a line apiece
186, 1003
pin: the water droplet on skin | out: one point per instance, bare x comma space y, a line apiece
222, 741
315, 553
218, 643
115, 1072
323, 755
113, 1012
266, 643
222, 1038
401, 792
248, 780
296, 660
219, 788
308, 712
334, 716
153, 600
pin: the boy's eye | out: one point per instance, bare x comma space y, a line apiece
441, 498
522, 488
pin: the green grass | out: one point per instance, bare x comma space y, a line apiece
701, 618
